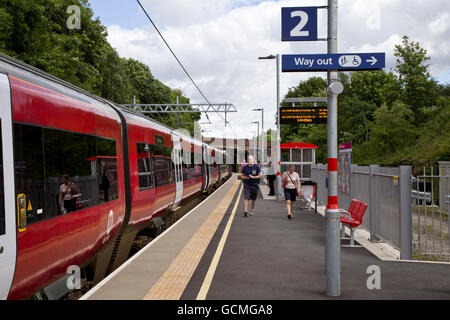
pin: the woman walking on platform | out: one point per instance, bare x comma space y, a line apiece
292, 189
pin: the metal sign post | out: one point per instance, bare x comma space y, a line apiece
278, 162
332, 214
278, 132
331, 62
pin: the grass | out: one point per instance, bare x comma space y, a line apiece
429, 211
428, 257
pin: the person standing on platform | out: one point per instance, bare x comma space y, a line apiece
250, 174
271, 177
292, 189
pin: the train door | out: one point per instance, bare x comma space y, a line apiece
8, 230
178, 173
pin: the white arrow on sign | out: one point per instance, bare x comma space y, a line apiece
373, 60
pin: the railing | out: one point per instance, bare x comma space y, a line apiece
431, 211
387, 191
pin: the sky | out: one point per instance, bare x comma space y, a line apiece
219, 43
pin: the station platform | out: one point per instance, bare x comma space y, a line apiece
215, 253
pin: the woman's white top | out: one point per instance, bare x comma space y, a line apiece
294, 176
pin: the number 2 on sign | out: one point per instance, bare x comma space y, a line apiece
297, 31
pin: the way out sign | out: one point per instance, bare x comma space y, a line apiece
341, 62
299, 24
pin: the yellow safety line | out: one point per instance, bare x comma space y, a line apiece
171, 285
215, 261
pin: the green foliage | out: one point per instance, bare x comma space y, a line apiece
391, 118
392, 128
35, 31
419, 90
313, 87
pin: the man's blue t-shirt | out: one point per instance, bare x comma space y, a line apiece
254, 170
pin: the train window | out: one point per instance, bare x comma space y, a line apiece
2, 193
162, 162
196, 164
159, 163
62, 172
197, 167
188, 164
145, 167
159, 140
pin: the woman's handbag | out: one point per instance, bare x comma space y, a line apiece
284, 183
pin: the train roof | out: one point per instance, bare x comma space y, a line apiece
19, 69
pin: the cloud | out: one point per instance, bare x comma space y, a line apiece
219, 43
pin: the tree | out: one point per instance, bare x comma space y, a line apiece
35, 31
419, 90
393, 129
364, 93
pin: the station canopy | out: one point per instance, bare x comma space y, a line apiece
298, 145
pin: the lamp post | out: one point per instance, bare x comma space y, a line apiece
262, 133
257, 141
254, 144
277, 57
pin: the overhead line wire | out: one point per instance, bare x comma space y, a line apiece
179, 62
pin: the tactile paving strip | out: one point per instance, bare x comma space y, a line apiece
173, 282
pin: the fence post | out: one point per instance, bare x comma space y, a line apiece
405, 213
374, 211
353, 168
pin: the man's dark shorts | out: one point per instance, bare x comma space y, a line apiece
250, 192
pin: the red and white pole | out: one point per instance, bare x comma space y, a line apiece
332, 215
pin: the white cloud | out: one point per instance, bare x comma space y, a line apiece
440, 24
219, 43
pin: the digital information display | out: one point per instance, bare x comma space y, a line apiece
303, 115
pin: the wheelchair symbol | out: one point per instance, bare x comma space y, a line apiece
350, 61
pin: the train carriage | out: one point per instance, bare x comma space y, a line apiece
124, 172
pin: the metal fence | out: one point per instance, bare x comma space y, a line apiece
387, 191
431, 211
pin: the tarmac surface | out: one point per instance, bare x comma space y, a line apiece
269, 257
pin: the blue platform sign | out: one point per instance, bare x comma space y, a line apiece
341, 62
299, 24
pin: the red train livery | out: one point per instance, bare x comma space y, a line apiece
80, 178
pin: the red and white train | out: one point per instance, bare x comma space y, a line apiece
126, 171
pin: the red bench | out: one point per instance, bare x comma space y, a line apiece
352, 218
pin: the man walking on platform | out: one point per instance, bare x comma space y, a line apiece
250, 174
